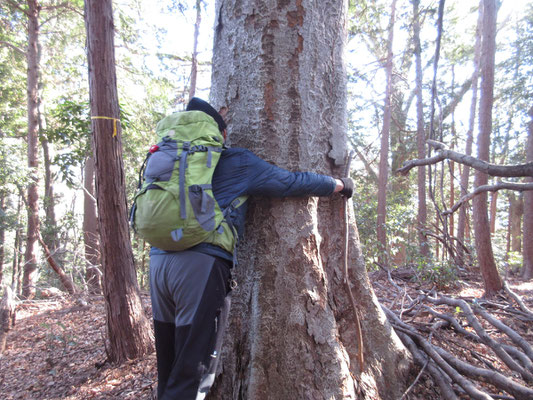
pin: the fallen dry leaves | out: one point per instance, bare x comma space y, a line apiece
55, 351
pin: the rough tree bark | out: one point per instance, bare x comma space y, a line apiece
32, 57
491, 278
383, 176
128, 327
528, 210
420, 136
278, 67
90, 230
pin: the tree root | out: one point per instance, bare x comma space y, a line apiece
502, 359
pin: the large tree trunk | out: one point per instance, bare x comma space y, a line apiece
383, 177
32, 56
528, 210
462, 222
90, 230
128, 327
420, 136
278, 67
489, 271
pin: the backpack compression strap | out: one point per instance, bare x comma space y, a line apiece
187, 150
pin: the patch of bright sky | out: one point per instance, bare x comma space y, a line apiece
167, 34
171, 32
462, 12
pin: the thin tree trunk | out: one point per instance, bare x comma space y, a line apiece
384, 148
7, 316
516, 211
292, 332
32, 55
451, 218
489, 271
452, 195
527, 235
65, 279
50, 231
420, 137
465, 175
194, 64
129, 331
17, 251
2, 238
437, 243
90, 230
493, 211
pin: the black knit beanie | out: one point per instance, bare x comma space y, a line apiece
197, 104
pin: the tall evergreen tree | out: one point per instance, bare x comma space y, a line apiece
485, 255
128, 327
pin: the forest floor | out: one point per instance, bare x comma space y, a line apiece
56, 348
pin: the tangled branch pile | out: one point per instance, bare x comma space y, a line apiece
471, 348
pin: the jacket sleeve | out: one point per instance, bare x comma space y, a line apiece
268, 180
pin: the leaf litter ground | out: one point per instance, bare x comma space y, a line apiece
56, 348
56, 351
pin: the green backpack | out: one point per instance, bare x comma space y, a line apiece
174, 207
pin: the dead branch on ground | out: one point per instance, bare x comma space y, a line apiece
464, 348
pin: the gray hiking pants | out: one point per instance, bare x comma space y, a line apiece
190, 302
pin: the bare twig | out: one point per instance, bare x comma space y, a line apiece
13, 46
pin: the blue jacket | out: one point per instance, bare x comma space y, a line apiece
241, 173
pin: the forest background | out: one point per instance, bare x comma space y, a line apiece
154, 51
163, 57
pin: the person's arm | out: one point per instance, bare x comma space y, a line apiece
269, 180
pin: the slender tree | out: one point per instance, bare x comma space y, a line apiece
489, 271
383, 177
32, 59
420, 135
465, 173
280, 72
2, 233
516, 211
50, 230
90, 230
528, 210
128, 327
194, 63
